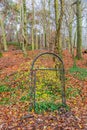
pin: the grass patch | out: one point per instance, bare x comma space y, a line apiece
25, 98
41, 107
4, 88
5, 101
14, 43
80, 73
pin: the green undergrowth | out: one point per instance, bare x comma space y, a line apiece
6, 94
18, 45
14, 88
80, 73
4, 88
48, 86
50, 106
13, 43
17, 88
48, 91
1, 55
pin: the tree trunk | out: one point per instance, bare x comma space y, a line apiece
70, 37
4, 35
56, 13
33, 23
25, 25
49, 35
79, 30
44, 26
45, 36
24, 22
36, 40
58, 49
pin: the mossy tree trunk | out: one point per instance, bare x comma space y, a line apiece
58, 21
45, 36
70, 37
3, 34
49, 22
79, 30
24, 25
36, 40
44, 24
70, 30
56, 13
33, 23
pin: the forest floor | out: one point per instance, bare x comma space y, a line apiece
11, 115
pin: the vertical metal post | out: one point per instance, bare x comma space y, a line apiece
63, 86
34, 99
31, 89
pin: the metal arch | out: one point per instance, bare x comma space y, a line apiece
50, 53
33, 79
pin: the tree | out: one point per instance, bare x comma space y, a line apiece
79, 29
24, 25
49, 13
44, 25
56, 13
3, 34
33, 23
69, 21
58, 19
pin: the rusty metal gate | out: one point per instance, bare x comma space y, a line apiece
33, 78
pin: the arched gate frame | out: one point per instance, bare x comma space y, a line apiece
33, 78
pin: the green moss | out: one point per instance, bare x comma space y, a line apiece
49, 106
5, 101
80, 73
4, 88
1, 55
